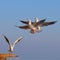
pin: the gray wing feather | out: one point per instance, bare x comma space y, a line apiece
23, 27
20, 38
7, 40
40, 22
48, 23
26, 22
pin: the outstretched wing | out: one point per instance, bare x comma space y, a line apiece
26, 22
7, 40
40, 22
20, 38
23, 27
48, 23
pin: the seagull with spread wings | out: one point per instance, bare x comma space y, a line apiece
35, 26
11, 46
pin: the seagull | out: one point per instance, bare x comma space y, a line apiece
11, 46
36, 20
35, 26
31, 25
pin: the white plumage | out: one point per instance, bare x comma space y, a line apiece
35, 26
11, 46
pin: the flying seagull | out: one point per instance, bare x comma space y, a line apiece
36, 20
11, 46
35, 26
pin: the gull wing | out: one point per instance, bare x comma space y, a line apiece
7, 40
26, 22
20, 38
23, 27
40, 22
48, 23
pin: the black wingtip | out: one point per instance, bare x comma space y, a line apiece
25, 22
18, 26
42, 21
5, 37
54, 22
22, 21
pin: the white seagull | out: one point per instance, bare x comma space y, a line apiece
11, 46
35, 26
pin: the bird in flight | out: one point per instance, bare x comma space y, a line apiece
35, 26
11, 46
